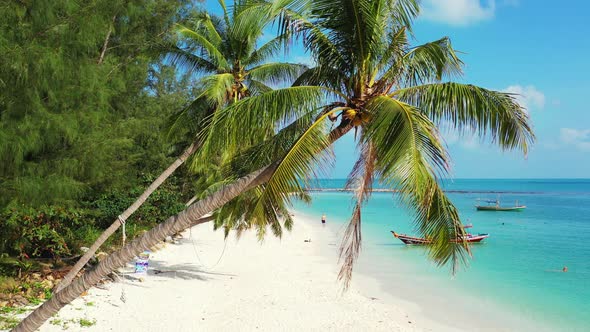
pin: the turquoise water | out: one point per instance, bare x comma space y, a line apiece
516, 269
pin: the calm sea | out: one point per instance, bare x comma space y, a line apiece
515, 271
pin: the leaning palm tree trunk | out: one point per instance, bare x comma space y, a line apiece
123, 217
171, 226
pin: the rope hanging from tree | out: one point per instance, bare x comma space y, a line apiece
124, 237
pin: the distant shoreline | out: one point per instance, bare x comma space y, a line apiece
382, 190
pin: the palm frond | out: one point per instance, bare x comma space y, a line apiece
321, 76
225, 12
404, 12
266, 51
409, 154
204, 20
269, 150
431, 61
397, 47
212, 52
245, 122
216, 88
320, 45
277, 72
257, 87
190, 120
189, 61
307, 156
468, 107
361, 180
248, 25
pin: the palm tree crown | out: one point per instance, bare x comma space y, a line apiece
225, 54
232, 68
394, 96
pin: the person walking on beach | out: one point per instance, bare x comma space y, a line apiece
323, 218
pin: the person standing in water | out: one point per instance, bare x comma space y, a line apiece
323, 218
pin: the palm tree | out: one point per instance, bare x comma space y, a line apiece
232, 66
390, 93
394, 96
172, 225
225, 53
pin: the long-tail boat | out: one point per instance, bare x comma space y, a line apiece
419, 241
494, 205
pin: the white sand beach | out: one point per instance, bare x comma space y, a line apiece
279, 285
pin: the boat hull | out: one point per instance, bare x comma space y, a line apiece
498, 208
410, 240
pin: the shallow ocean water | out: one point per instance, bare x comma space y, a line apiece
517, 269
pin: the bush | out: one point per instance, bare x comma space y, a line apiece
54, 231
163, 203
42, 232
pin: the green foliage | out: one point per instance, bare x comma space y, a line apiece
86, 322
72, 120
12, 267
392, 93
8, 322
236, 110
42, 232
8, 285
12, 310
56, 321
166, 201
84, 98
52, 231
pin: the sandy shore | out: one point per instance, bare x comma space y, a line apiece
280, 285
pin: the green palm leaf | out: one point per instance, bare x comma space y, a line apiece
204, 21
189, 61
241, 123
409, 154
216, 88
267, 51
487, 112
277, 72
431, 61
307, 156
257, 87
361, 180
213, 52
404, 12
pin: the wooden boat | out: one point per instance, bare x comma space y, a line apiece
496, 206
420, 241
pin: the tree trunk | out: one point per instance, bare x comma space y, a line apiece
106, 42
123, 217
119, 258
202, 220
171, 226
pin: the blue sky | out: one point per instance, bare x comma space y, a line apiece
538, 49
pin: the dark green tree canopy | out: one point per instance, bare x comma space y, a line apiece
75, 115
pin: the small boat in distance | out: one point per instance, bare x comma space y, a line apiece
494, 205
410, 240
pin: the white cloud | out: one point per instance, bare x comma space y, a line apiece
458, 12
527, 96
579, 138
